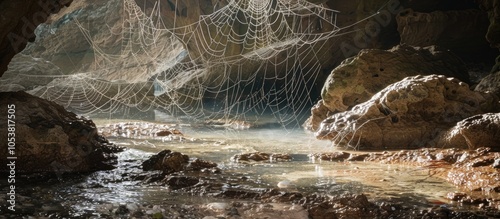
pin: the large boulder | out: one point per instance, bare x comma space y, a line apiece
408, 114
474, 132
44, 137
357, 79
170, 162
167, 161
490, 83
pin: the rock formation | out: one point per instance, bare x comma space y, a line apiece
474, 132
410, 113
18, 23
469, 170
50, 139
490, 83
358, 79
170, 162
103, 38
25, 71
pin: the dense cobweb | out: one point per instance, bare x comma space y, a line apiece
247, 58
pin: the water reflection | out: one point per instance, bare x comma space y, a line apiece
101, 191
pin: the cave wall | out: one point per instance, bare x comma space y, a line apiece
19, 21
377, 32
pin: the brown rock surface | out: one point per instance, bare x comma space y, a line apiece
140, 130
490, 83
261, 156
474, 132
170, 162
359, 78
469, 170
319, 112
406, 114
167, 161
50, 139
104, 38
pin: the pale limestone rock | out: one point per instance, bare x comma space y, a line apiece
359, 78
319, 112
474, 132
407, 114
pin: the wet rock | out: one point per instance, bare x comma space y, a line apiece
166, 161
357, 157
285, 184
261, 156
49, 139
179, 182
168, 133
233, 212
476, 173
468, 170
199, 164
408, 114
140, 130
137, 214
229, 124
122, 209
170, 162
456, 196
474, 132
335, 156
238, 194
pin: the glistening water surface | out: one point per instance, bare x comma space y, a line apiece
98, 192
302, 173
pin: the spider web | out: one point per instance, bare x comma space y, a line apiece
246, 59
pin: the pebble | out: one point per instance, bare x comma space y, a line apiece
284, 184
217, 206
496, 163
132, 207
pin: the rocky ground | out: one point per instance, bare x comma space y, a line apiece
238, 196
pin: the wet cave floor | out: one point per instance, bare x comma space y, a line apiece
314, 181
